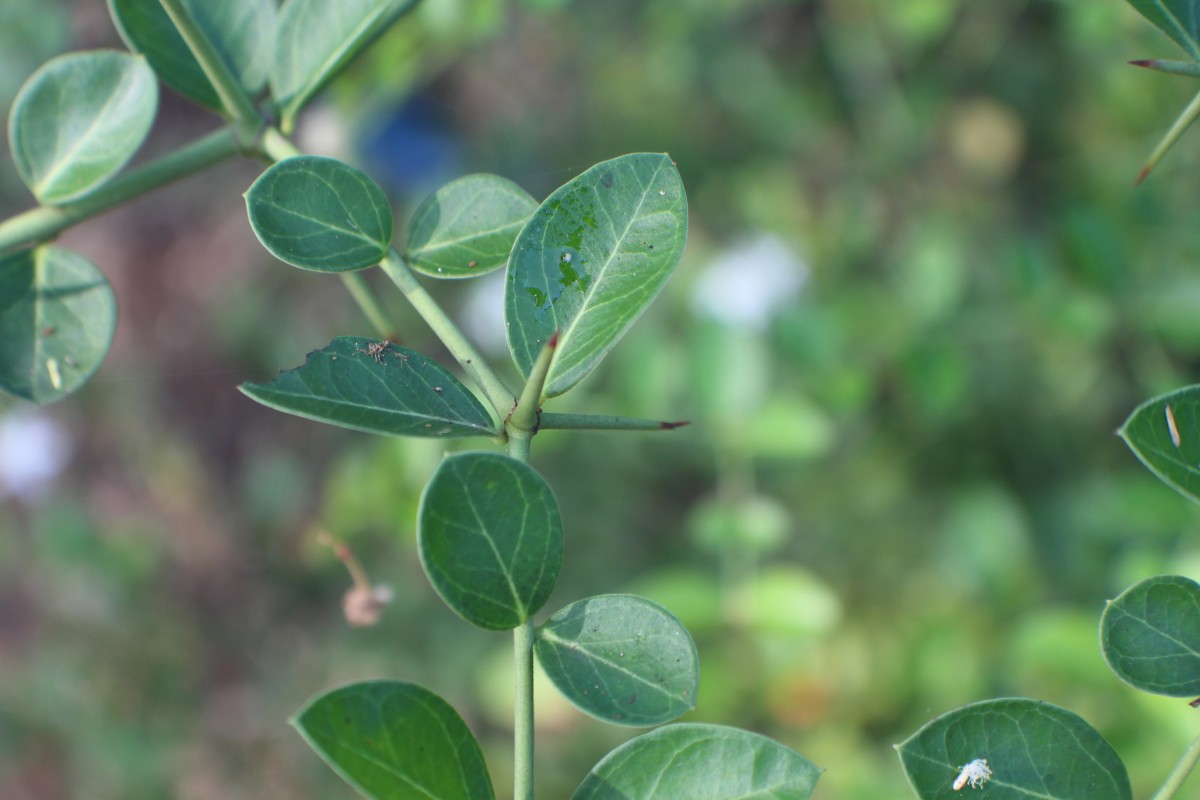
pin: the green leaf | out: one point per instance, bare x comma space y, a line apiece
467, 227
1033, 750
320, 214
1150, 636
1164, 433
317, 38
1179, 19
396, 741
57, 317
590, 260
490, 538
700, 762
241, 31
372, 386
621, 658
78, 119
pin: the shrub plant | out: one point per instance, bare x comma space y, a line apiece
581, 267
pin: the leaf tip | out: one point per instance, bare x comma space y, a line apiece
670, 426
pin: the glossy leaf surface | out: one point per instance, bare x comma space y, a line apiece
320, 214
241, 31
490, 538
78, 120
57, 317
1032, 749
1164, 433
396, 741
621, 659
1150, 636
371, 386
590, 260
317, 38
700, 762
1179, 19
467, 227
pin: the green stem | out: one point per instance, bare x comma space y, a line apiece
234, 99
1178, 775
46, 222
275, 146
604, 422
459, 346
366, 301
524, 417
1182, 123
523, 716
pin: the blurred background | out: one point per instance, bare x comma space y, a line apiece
920, 293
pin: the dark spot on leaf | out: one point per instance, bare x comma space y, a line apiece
606, 180
633, 698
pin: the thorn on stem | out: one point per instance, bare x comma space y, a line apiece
670, 426
552, 342
1142, 175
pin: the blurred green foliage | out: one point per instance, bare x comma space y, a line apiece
937, 295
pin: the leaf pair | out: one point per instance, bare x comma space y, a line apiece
296, 51
396, 741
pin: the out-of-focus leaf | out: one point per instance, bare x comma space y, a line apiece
376, 387
621, 659
241, 31
78, 119
1150, 636
317, 38
1032, 749
1164, 433
700, 762
57, 317
396, 741
320, 214
467, 227
1179, 19
490, 538
590, 260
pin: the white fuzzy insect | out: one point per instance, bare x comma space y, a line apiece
976, 774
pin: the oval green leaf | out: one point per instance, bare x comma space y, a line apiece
621, 659
369, 385
467, 227
241, 31
317, 38
700, 762
78, 120
1150, 636
57, 318
490, 538
396, 741
1032, 749
590, 260
321, 214
1164, 433
1179, 19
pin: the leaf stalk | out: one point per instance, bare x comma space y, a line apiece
246, 120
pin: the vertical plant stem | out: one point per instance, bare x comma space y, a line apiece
523, 716
1178, 775
459, 346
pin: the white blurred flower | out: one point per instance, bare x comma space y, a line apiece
34, 449
749, 282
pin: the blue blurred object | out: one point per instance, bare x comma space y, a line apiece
415, 150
